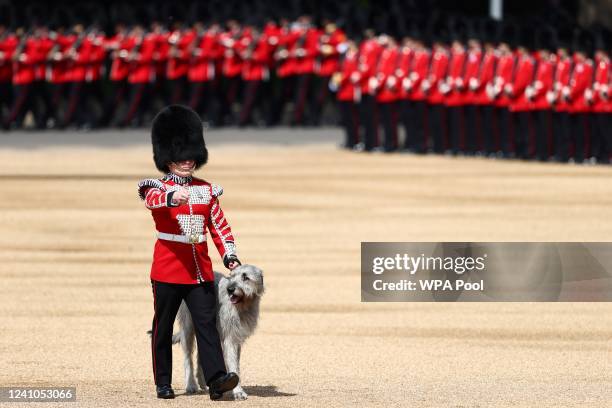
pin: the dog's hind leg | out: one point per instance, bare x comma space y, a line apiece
200, 377
187, 337
231, 353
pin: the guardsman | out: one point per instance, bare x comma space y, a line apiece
480, 87
496, 90
117, 45
346, 84
385, 84
415, 92
405, 105
579, 94
141, 76
520, 106
24, 60
8, 43
231, 70
602, 105
437, 89
160, 58
201, 72
473, 113
369, 52
455, 99
255, 71
178, 61
77, 57
305, 56
329, 48
94, 71
555, 97
536, 95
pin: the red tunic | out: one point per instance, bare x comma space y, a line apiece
404, 68
484, 79
186, 263
7, 48
503, 77
202, 66
257, 56
601, 87
422, 59
388, 83
329, 56
349, 78
561, 82
369, 52
580, 86
24, 67
543, 83
438, 72
456, 78
178, 55
523, 78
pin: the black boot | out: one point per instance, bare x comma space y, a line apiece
165, 392
226, 382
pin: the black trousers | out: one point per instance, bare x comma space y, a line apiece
388, 117
543, 133
369, 117
579, 135
490, 135
348, 115
522, 138
562, 135
601, 147
456, 119
201, 302
506, 122
438, 127
473, 129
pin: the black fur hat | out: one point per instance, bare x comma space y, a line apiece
177, 134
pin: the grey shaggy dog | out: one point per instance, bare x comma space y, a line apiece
238, 297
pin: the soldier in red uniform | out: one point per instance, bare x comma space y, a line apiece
24, 59
602, 105
305, 55
479, 86
184, 208
178, 61
8, 44
255, 74
346, 84
456, 84
498, 95
369, 53
386, 86
436, 89
77, 57
536, 95
405, 105
117, 45
329, 48
411, 84
473, 114
520, 106
233, 45
204, 50
579, 95
141, 75
562, 77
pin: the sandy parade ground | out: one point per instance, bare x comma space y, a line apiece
76, 247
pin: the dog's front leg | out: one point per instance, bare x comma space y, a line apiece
231, 353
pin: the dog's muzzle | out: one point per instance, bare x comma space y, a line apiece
184, 239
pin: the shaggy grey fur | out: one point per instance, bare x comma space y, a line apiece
238, 297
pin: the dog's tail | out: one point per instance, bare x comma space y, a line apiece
176, 338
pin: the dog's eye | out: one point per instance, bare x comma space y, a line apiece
244, 277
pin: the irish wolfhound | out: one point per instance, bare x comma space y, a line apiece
238, 297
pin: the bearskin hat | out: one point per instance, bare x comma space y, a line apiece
177, 134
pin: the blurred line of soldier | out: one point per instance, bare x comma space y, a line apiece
71, 75
479, 87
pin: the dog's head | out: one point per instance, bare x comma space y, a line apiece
244, 284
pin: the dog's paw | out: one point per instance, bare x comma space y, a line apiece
191, 388
239, 394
